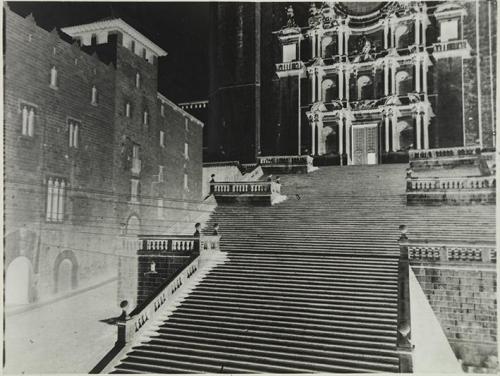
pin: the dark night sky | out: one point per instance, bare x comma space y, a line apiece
179, 28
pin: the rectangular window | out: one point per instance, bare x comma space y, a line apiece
186, 124
145, 118
134, 190
162, 139
449, 30
28, 120
128, 110
186, 187
136, 162
289, 52
55, 199
73, 132
94, 98
159, 213
161, 174
186, 150
162, 110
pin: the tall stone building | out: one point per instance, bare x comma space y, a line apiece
365, 81
92, 153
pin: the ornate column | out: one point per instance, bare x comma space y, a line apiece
346, 43
395, 139
313, 44
313, 86
341, 134
320, 147
386, 77
393, 77
419, 130
386, 33
313, 131
417, 30
340, 36
347, 72
386, 118
425, 63
320, 74
417, 73
348, 139
341, 81
426, 129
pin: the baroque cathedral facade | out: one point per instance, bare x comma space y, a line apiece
362, 82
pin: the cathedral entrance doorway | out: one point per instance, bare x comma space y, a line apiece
365, 144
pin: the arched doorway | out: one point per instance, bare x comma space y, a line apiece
18, 279
65, 272
406, 135
64, 276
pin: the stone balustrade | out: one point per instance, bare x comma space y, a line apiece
221, 164
148, 310
287, 163
210, 243
455, 152
454, 48
450, 183
451, 252
172, 243
244, 188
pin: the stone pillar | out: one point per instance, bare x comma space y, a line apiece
313, 86
341, 82
417, 74
393, 78
346, 43
320, 147
386, 32
425, 63
386, 133
341, 134
395, 138
347, 79
348, 141
426, 129
320, 86
340, 41
417, 30
313, 45
386, 78
313, 143
419, 131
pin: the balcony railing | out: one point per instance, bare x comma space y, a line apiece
437, 251
136, 166
465, 183
294, 160
290, 68
455, 152
451, 49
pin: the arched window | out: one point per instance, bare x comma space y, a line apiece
401, 39
145, 117
53, 77
362, 84
55, 200
132, 46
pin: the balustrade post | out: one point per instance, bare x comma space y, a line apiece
485, 255
404, 345
443, 253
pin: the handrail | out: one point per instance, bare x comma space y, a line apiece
404, 345
276, 159
221, 164
147, 310
452, 251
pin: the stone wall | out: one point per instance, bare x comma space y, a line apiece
464, 301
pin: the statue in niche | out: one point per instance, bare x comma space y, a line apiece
126, 152
365, 47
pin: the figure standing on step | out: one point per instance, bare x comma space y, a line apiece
197, 235
212, 180
216, 229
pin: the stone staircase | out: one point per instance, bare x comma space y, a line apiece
309, 285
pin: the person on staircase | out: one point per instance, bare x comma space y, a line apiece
212, 180
216, 229
197, 235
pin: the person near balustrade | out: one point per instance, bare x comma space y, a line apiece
212, 180
197, 235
